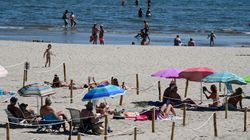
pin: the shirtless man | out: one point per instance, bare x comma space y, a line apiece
235, 98
48, 54
212, 37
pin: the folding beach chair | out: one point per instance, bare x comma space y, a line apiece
16, 122
75, 117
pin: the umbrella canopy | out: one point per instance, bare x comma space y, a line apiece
247, 79
224, 77
196, 74
167, 73
36, 89
3, 71
103, 91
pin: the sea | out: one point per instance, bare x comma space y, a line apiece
41, 20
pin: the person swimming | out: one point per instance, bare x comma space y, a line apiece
148, 13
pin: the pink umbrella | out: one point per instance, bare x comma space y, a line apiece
3, 71
167, 73
195, 74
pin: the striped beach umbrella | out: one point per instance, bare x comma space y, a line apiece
36, 89
103, 91
3, 71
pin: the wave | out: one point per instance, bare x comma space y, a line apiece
12, 27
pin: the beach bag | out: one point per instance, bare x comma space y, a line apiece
141, 118
98, 129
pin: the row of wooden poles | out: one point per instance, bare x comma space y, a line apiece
135, 128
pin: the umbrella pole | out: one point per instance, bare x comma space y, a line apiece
37, 104
186, 88
201, 93
64, 72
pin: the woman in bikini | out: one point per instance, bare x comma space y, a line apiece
213, 95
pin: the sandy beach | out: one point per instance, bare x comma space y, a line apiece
124, 62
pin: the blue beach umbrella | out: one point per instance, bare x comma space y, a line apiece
224, 77
103, 91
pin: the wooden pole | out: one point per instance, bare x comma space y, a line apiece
24, 77
70, 130
121, 98
71, 91
226, 108
41, 101
245, 120
89, 83
184, 114
159, 89
135, 133
215, 126
106, 127
186, 89
172, 132
7, 131
112, 81
153, 120
78, 136
137, 84
64, 72
219, 86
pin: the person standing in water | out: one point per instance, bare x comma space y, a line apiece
212, 37
93, 37
48, 53
146, 26
140, 13
65, 18
101, 35
72, 19
136, 2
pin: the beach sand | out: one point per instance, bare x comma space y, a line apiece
124, 62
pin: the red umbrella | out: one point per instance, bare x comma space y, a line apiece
195, 74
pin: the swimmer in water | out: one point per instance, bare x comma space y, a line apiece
140, 13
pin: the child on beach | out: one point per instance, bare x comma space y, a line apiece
48, 54
212, 37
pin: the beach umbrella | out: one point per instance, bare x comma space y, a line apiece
224, 77
103, 91
195, 74
167, 73
36, 90
247, 79
3, 71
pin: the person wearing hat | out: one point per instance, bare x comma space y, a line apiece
234, 99
88, 112
28, 113
101, 35
15, 111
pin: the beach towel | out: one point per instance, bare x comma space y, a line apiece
131, 114
170, 118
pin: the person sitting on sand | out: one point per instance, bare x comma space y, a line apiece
56, 82
172, 97
15, 111
47, 109
235, 98
177, 41
213, 95
191, 42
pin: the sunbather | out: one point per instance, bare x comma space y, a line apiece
28, 114
15, 111
213, 95
234, 99
47, 109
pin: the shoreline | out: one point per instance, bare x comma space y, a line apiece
75, 37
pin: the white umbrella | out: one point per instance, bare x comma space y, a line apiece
3, 71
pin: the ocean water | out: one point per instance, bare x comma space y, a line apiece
36, 19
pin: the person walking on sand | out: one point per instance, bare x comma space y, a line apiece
93, 37
212, 37
48, 53
101, 35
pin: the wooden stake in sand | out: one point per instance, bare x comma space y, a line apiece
70, 130
159, 89
112, 81
153, 120
172, 132
7, 131
186, 89
78, 136
137, 84
64, 72
24, 77
135, 133
89, 83
226, 108
41, 101
245, 120
184, 114
219, 86
215, 126
121, 98
71, 91
106, 127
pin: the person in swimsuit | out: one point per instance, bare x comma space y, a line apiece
213, 95
140, 13
101, 35
146, 26
48, 54
65, 18
235, 98
212, 37
95, 31
72, 20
